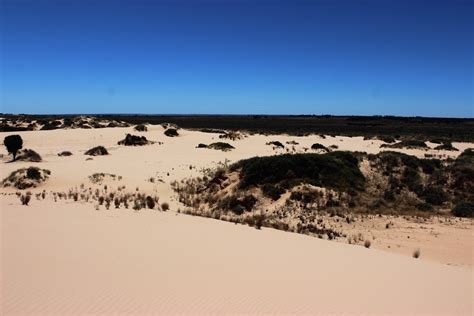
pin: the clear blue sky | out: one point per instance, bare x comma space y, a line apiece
274, 57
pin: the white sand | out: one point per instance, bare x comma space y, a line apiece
68, 259
72, 260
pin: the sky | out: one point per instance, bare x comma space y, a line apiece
341, 57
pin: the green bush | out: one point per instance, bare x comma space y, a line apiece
338, 170
464, 209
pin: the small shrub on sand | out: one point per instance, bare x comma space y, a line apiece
171, 132
367, 243
201, 146
25, 199
446, 146
141, 128
276, 144
165, 206
221, 146
97, 151
133, 140
318, 146
463, 209
26, 178
28, 155
150, 202
416, 253
65, 154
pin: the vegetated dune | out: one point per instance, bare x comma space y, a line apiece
86, 261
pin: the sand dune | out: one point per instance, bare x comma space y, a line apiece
71, 260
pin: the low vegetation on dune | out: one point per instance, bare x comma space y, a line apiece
28, 155
446, 146
65, 153
141, 128
26, 178
320, 147
293, 191
171, 132
276, 144
221, 146
99, 177
232, 135
97, 151
133, 140
408, 143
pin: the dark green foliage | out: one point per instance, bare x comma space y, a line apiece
434, 195
150, 202
33, 173
13, 144
238, 204
446, 146
65, 153
409, 143
424, 207
133, 140
463, 209
389, 195
221, 146
171, 132
141, 128
276, 144
272, 191
97, 151
318, 146
338, 170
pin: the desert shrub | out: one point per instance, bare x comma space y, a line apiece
150, 202
463, 209
165, 206
25, 199
141, 128
29, 155
387, 139
97, 151
238, 204
33, 173
318, 146
13, 144
276, 144
337, 170
171, 132
65, 153
221, 146
201, 146
367, 243
408, 143
434, 195
446, 146
389, 195
424, 206
26, 178
416, 253
272, 191
133, 140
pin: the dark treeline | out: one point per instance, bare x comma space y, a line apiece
454, 129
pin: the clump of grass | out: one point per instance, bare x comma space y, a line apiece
65, 153
150, 202
318, 146
165, 206
416, 253
97, 151
276, 144
221, 146
367, 243
171, 132
25, 198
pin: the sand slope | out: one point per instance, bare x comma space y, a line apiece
71, 260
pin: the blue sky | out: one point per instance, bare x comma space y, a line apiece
230, 57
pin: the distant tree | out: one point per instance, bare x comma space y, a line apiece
13, 144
